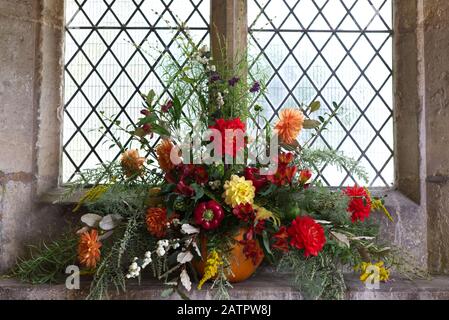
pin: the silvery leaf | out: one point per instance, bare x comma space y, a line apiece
110, 222
82, 230
92, 220
188, 229
362, 238
323, 222
341, 238
105, 235
184, 257
185, 280
195, 246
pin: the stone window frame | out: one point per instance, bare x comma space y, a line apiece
407, 200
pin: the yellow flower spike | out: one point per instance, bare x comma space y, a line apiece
91, 195
211, 269
264, 214
238, 191
377, 205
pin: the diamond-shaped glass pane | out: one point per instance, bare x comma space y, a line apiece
331, 51
111, 48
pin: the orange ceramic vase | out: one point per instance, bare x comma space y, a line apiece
242, 267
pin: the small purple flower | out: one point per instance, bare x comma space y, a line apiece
145, 112
255, 88
214, 77
232, 82
167, 106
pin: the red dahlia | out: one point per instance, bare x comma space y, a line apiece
359, 203
306, 234
235, 126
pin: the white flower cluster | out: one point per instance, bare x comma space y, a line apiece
220, 100
133, 270
201, 56
215, 185
164, 245
147, 259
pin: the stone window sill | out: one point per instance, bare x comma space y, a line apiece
263, 286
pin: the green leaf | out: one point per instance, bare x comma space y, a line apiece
150, 98
168, 188
311, 124
322, 119
199, 191
266, 242
292, 146
160, 130
315, 106
177, 109
203, 101
188, 80
271, 189
211, 195
139, 132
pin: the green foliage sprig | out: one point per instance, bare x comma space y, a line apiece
46, 263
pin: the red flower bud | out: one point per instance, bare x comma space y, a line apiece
147, 128
259, 181
304, 176
281, 240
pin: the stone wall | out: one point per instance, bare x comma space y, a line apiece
433, 34
30, 81
31, 72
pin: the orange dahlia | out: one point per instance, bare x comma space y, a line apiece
89, 249
163, 151
131, 162
290, 125
157, 221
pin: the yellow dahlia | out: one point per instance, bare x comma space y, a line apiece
89, 249
238, 191
131, 162
290, 125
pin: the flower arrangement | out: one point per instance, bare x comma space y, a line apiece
216, 204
